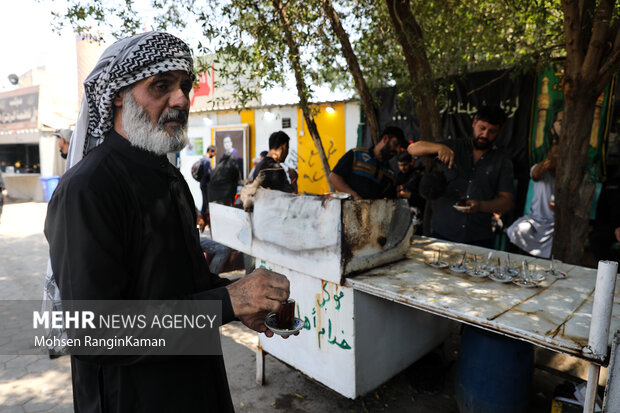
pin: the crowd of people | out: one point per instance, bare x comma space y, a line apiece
473, 187
220, 184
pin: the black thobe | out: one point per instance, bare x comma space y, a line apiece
224, 179
121, 225
205, 164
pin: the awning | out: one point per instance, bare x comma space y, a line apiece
23, 136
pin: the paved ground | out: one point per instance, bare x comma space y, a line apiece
38, 384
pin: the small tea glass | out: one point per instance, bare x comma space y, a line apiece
525, 272
476, 266
501, 271
555, 270
286, 315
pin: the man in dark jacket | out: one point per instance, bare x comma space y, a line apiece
205, 164
275, 175
224, 180
121, 226
408, 181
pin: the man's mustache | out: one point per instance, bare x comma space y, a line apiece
173, 115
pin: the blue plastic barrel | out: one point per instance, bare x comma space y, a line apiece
494, 373
49, 184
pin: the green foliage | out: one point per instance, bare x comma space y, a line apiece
460, 36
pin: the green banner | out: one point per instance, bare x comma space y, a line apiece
195, 147
548, 109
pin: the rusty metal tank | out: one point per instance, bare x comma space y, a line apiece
326, 237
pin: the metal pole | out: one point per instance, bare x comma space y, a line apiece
599, 326
590, 402
611, 400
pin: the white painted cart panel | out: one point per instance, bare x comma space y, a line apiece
352, 342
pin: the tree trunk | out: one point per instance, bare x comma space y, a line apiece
409, 34
354, 68
302, 89
410, 37
592, 56
573, 189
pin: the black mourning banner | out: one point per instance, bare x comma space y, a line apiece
513, 93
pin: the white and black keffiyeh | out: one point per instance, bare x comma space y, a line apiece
122, 64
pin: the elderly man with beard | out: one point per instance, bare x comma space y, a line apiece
480, 181
366, 173
121, 226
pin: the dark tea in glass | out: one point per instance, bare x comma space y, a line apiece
286, 315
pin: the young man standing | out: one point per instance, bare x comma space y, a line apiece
204, 179
275, 175
408, 183
366, 173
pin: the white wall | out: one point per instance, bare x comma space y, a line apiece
48, 150
267, 121
228, 118
198, 126
351, 121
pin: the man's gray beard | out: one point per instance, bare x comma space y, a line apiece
153, 138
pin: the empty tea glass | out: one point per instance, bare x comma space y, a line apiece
525, 272
487, 265
555, 267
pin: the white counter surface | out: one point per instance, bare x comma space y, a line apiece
555, 315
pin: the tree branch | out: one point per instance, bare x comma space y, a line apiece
586, 17
356, 71
597, 45
610, 64
490, 82
302, 89
572, 30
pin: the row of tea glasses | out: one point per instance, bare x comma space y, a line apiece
502, 272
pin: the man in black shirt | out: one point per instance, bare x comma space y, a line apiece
480, 181
408, 182
366, 173
205, 164
275, 175
122, 226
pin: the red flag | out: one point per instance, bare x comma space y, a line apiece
206, 87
